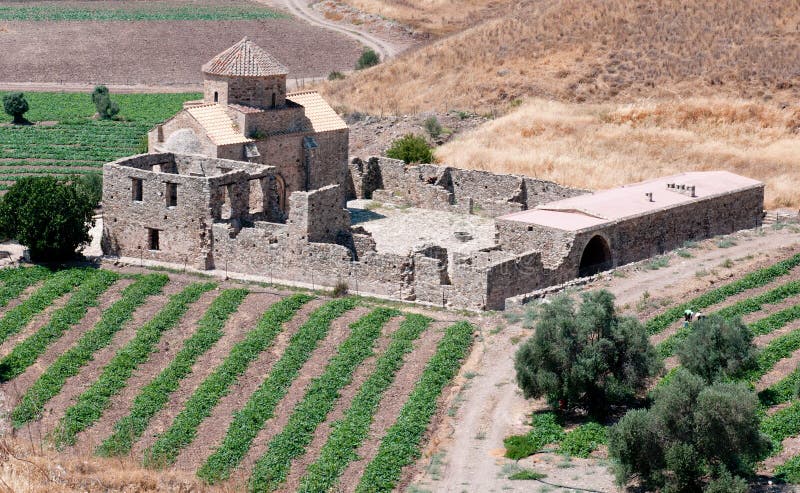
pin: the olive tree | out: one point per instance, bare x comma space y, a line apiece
694, 436
106, 109
718, 348
586, 357
51, 217
16, 105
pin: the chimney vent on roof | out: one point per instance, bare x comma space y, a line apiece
693, 191
649, 196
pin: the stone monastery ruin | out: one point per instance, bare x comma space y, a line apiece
255, 180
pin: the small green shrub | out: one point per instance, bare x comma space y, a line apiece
411, 149
368, 59
340, 289
657, 263
106, 109
433, 127
718, 348
583, 440
528, 474
15, 105
335, 75
546, 430
726, 243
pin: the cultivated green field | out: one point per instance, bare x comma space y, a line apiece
191, 353
70, 141
156, 12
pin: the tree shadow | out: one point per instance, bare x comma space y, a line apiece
358, 216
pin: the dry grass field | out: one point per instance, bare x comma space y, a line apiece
592, 51
598, 146
436, 17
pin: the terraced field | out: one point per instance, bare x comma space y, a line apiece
261, 389
768, 300
66, 141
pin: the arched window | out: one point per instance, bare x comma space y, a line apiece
280, 191
216, 97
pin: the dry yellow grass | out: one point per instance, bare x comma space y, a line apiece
432, 16
600, 146
593, 51
24, 469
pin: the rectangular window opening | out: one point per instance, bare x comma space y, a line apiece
152, 239
136, 187
172, 194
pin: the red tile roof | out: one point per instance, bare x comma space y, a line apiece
245, 59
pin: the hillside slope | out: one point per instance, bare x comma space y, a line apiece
593, 51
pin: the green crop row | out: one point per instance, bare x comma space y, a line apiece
25, 353
155, 13
777, 349
261, 404
782, 391
775, 321
790, 470
753, 280
199, 406
400, 446
54, 287
155, 395
16, 280
93, 402
348, 432
270, 469
783, 424
750, 305
545, 430
69, 364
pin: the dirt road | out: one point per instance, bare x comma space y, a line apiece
302, 10
466, 455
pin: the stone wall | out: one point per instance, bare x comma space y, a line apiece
450, 189
318, 216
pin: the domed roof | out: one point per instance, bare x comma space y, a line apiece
183, 141
245, 59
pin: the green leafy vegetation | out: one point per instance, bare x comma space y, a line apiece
400, 445
749, 305
15, 105
106, 108
92, 403
155, 394
693, 434
157, 12
261, 404
54, 287
348, 432
76, 143
270, 469
753, 280
15, 280
367, 59
49, 216
26, 352
69, 364
583, 440
411, 149
546, 430
589, 358
718, 348
526, 474
184, 427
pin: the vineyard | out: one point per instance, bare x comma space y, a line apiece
70, 142
768, 301
264, 389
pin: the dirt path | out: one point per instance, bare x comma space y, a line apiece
301, 9
171, 342
300, 465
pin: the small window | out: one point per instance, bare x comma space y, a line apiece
172, 194
273, 100
136, 187
152, 239
216, 97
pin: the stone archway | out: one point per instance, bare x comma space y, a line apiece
596, 257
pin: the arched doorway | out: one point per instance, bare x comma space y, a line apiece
596, 257
280, 191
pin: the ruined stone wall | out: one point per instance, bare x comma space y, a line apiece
183, 230
450, 189
318, 216
329, 165
249, 91
554, 244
